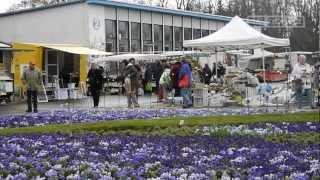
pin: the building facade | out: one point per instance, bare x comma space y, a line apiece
110, 26
100, 24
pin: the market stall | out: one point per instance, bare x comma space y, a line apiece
6, 81
64, 67
237, 34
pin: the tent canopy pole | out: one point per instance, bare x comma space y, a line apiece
263, 65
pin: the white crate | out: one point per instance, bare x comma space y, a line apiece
200, 102
200, 93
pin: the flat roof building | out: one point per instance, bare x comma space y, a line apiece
110, 25
105, 25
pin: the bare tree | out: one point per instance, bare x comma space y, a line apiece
189, 5
163, 3
179, 4
34, 3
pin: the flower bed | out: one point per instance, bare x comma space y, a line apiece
194, 157
79, 116
261, 129
247, 147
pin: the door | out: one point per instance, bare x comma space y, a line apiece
51, 66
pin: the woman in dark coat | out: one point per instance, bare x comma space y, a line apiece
174, 75
95, 78
206, 74
131, 79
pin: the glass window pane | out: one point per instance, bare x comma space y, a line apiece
168, 37
111, 37
123, 30
52, 57
147, 38
135, 45
147, 46
135, 37
123, 36
147, 34
135, 31
52, 70
158, 38
1, 57
187, 34
196, 33
205, 32
178, 38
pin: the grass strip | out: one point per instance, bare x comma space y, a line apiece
306, 138
153, 124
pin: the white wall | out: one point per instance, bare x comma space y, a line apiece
167, 20
96, 24
110, 13
65, 24
196, 23
157, 18
134, 16
146, 17
204, 24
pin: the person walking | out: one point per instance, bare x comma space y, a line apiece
302, 81
32, 78
185, 79
174, 75
131, 81
95, 79
165, 82
139, 74
206, 74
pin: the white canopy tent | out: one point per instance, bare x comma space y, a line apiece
237, 34
121, 57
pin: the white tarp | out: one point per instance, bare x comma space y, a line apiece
121, 57
258, 55
182, 53
237, 34
70, 48
147, 57
4, 45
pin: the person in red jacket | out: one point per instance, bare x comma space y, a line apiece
174, 75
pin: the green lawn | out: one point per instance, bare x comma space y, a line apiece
168, 124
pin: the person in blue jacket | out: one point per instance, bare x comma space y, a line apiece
185, 79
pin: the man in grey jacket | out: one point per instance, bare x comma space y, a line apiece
32, 79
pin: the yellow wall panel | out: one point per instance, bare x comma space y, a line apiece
21, 58
83, 67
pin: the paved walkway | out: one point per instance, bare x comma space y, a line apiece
114, 101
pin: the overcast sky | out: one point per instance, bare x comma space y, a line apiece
6, 4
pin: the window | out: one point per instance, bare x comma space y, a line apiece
168, 38
178, 36
196, 33
205, 32
111, 36
158, 38
135, 37
147, 38
123, 36
187, 34
212, 31
1, 57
